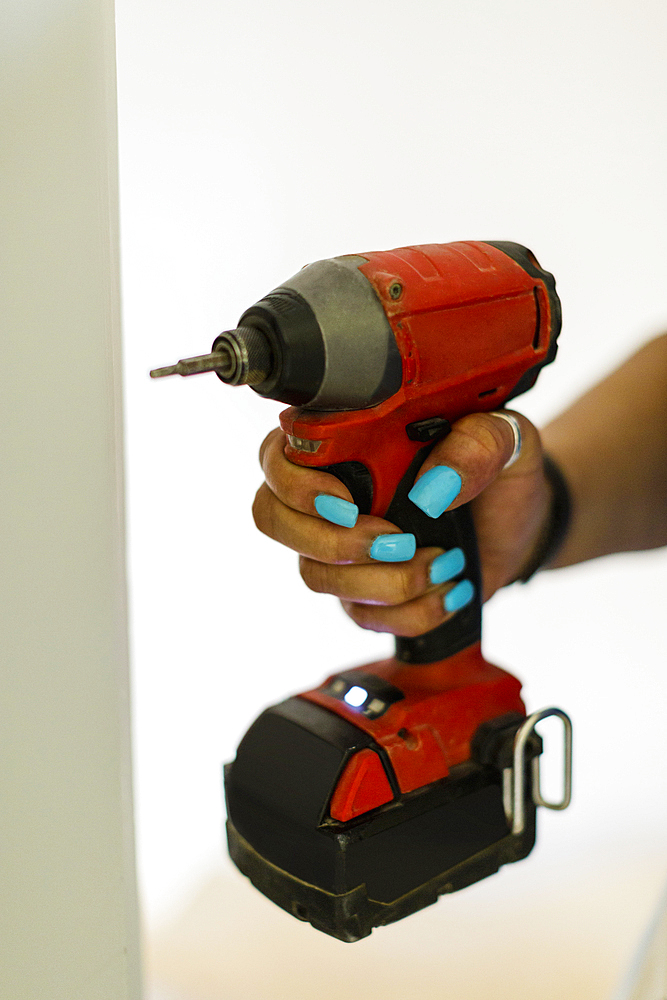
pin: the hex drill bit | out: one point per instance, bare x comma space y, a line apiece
216, 361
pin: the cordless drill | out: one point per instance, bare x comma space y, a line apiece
364, 799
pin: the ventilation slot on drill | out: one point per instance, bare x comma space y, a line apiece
538, 321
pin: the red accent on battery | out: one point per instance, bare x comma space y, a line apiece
362, 786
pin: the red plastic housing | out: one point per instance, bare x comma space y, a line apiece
426, 733
469, 322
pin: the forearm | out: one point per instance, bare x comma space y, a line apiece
612, 447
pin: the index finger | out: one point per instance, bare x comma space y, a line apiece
475, 452
306, 490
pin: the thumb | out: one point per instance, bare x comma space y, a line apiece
473, 454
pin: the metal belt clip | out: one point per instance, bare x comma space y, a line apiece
514, 777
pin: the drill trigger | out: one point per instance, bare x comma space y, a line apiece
358, 480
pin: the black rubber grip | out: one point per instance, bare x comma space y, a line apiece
453, 529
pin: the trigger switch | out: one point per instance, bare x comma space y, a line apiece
358, 480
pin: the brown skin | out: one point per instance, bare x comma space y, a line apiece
611, 445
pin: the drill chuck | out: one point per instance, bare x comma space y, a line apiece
248, 359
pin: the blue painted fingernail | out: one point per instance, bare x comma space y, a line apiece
336, 510
393, 548
459, 596
447, 566
436, 489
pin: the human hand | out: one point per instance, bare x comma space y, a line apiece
367, 562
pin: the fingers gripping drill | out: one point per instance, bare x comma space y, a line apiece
363, 800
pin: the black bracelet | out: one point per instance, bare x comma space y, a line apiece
558, 523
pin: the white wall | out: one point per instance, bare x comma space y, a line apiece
257, 137
67, 882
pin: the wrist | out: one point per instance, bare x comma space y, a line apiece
556, 525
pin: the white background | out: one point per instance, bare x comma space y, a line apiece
257, 137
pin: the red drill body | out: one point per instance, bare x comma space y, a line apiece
469, 323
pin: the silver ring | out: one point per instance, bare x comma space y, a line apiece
516, 431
